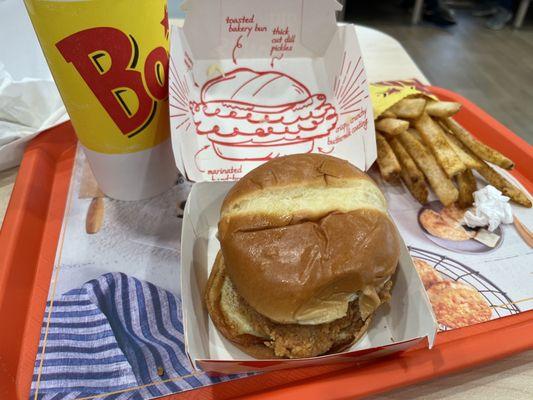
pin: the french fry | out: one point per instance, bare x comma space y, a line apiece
481, 150
387, 114
392, 126
460, 150
442, 109
466, 182
502, 184
410, 174
424, 159
434, 137
416, 134
409, 108
389, 167
419, 190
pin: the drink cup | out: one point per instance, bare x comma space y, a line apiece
109, 59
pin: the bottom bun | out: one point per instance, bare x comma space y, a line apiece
262, 338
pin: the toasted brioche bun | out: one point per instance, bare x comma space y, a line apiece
237, 322
304, 235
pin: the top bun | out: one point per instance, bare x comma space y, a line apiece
255, 88
303, 235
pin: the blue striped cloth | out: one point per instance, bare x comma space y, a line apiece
111, 336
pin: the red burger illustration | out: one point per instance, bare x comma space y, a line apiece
250, 115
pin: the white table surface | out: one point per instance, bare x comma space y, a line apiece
384, 57
511, 378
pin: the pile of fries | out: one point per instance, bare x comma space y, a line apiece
420, 143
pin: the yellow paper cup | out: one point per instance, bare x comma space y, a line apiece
109, 59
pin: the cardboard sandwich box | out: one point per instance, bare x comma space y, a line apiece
250, 81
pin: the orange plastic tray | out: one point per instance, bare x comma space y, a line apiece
28, 242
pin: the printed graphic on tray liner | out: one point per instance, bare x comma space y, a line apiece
252, 115
141, 240
445, 227
471, 275
460, 296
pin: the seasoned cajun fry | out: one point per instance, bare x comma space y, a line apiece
387, 161
460, 150
409, 108
410, 174
392, 126
481, 150
416, 134
418, 190
424, 159
406, 161
433, 136
466, 182
442, 109
502, 184
388, 114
